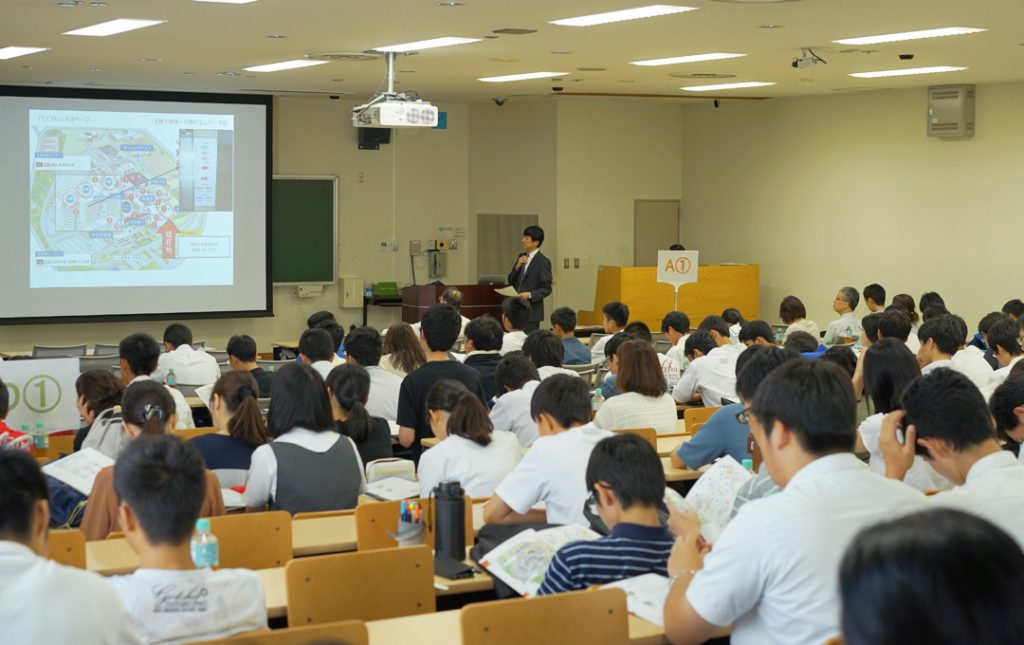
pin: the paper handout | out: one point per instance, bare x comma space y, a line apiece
508, 292
522, 560
713, 495
79, 470
393, 489
645, 596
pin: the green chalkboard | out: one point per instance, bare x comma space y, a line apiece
304, 212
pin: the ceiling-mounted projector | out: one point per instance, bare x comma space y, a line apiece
393, 109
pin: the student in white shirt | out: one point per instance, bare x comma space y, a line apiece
160, 481
970, 361
616, 316
515, 314
308, 466
669, 368
545, 351
676, 325
793, 313
515, 379
470, 451
642, 402
847, 325
947, 421
711, 378
773, 573
941, 338
1004, 339
895, 323
42, 601
1007, 408
553, 470
364, 346
874, 297
316, 349
736, 322
337, 332
889, 368
192, 367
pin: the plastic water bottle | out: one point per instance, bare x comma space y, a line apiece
172, 378
204, 546
596, 401
40, 438
748, 464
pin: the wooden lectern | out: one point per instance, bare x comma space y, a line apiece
478, 299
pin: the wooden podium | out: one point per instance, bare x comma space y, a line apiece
718, 287
478, 299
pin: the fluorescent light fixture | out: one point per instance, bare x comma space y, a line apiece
7, 53
521, 77
908, 35
446, 41
650, 11
288, 64
725, 86
908, 72
695, 58
111, 27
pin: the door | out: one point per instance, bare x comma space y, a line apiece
655, 227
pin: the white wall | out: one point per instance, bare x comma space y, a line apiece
833, 190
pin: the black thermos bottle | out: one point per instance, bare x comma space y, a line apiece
450, 520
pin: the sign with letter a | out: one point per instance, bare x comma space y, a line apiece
677, 267
42, 391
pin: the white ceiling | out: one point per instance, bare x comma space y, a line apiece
201, 40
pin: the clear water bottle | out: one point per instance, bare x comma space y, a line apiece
40, 438
172, 378
748, 464
204, 546
596, 401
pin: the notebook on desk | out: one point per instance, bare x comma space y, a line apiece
392, 489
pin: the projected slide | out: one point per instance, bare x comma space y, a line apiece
130, 199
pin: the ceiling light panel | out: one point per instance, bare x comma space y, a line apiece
912, 71
521, 77
909, 35
283, 65
112, 27
725, 86
446, 41
679, 60
228, 1
7, 53
622, 15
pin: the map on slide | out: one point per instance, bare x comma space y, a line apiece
118, 199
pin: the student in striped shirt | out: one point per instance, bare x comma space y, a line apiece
626, 482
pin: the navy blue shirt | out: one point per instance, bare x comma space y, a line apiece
721, 435
576, 353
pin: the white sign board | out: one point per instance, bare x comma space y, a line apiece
42, 390
677, 267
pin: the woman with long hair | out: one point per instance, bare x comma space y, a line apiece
348, 388
240, 428
643, 402
403, 352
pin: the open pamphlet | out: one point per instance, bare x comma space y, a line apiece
645, 596
78, 470
392, 489
522, 560
232, 498
713, 495
508, 292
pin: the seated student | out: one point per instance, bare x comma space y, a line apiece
515, 314
139, 354
470, 451
515, 379
941, 338
563, 324
42, 601
609, 386
643, 402
159, 481
842, 356
438, 332
756, 332
793, 313
626, 484
940, 576
948, 421
242, 358
454, 297
318, 320
483, 345
906, 301
5, 402
146, 408
874, 297
869, 325
616, 316
895, 323
773, 572
804, 344
889, 368
403, 352
676, 325
307, 467
553, 470
364, 346
979, 343
194, 367
1007, 408
316, 349
98, 391
724, 433
348, 389
711, 378
240, 428
736, 321
640, 331
545, 352
337, 333
847, 325
1005, 343
1014, 309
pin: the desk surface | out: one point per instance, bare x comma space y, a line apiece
673, 474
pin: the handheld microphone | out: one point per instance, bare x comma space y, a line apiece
523, 254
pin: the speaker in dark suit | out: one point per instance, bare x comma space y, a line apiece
531, 275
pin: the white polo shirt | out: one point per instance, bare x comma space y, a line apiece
597, 349
998, 376
994, 490
714, 374
554, 471
774, 572
191, 366
971, 363
550, 370
512, 341
632, 410
323, 368
934, 365
384, 386
511, 413
839, 326
479, 469
921, 474
677, 353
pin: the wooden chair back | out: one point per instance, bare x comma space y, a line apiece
650, 435
253, 540
596, 617
311, 514
375, 519
346, 631
694, 418
67, 547
369, 585
188, 434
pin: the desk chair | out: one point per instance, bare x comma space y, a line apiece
103, 349
596, 617
67, 547
594, 338
650, 435
375, 519
662, 346
224, 367
188, 434
98, 362
199, 344
220, 355
253, 540
369, 585
50, 351
346, 631
694, 418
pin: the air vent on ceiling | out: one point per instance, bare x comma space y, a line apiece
701, 75
860, 89
343, 56
591, 69
513, 31
951, 111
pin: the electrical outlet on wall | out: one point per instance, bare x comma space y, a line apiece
575, 263
565, 263
415, 247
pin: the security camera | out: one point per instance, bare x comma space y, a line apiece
557, 88
499, 102
807, 58
906, 57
